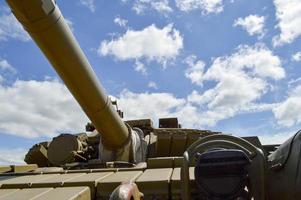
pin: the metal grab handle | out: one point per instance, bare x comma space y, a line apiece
257, 169
250, 147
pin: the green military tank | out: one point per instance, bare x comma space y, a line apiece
116, 159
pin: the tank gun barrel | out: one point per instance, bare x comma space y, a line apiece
43, 20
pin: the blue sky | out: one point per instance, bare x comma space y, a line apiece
230, 66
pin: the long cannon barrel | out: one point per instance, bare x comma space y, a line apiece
43, 20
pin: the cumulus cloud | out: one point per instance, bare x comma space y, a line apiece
90, 4
140, 67
152, 84
241, 79
12, 156
150, 43
296, 57
161, 6
159, 105
10, 28
277, 138
253, 24
121, 22
254, 61
5, 65
233, 94
6, 70
205, 6
288, 14
39, 108
70, 24
195, 71
288, 112
153, 105
45, 108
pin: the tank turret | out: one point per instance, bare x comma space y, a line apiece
43, 20
174, 163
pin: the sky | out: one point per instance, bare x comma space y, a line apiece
224, 65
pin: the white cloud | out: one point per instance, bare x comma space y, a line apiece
241, 79
6, 70
277, 138
152, 105
32, 108
296, 57
288, 112
253, 24
90, 4
159, 105
39, 108
205, 6
70, 24
140, 67
258, 60
121, 22
45, 108
190, 116
152, 84
161, 6
10, 28
294, 82
12, 156
5, 65
195, 71
288, 14
150, 43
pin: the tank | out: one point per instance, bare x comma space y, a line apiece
117, 159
